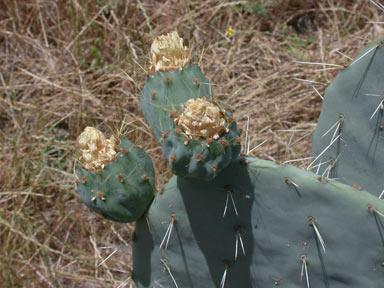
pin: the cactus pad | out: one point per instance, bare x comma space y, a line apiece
123, 189
260, 225
348, 142
195, 155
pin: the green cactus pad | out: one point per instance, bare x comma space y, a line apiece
125, 187
162, 95
354, 121
188, 236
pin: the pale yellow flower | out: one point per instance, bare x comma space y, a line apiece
96, 149
169, 53
202, 119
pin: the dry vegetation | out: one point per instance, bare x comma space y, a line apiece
71, 63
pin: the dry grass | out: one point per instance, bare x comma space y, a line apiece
72, 63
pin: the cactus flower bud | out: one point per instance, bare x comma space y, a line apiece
201, 119
169, 53
96, 149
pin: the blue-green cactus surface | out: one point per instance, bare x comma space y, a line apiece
348, 143
258, 224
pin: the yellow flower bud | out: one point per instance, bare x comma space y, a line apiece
96, 150
201, 119
169, 53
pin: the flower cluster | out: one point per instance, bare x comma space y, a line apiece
202, 119
169, 53
96, 150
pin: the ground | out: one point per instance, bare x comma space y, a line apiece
70, 64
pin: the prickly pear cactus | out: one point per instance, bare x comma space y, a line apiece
260, 225
116, 184
198, 136
348, 142
229, 221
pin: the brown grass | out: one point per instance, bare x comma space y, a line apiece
72, 63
